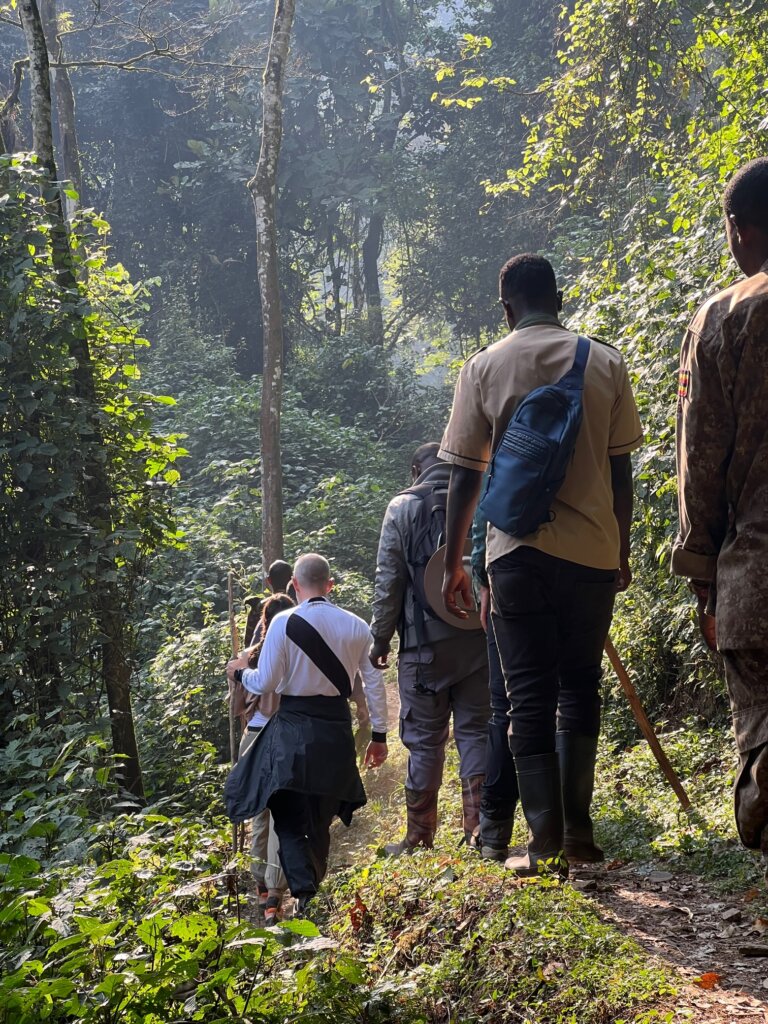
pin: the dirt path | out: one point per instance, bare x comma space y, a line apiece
674, 918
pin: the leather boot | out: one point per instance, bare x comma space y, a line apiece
538, 779
471, 793
421, 807
577, 774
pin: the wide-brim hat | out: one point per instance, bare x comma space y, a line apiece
433, 587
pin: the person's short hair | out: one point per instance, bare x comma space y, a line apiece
279, 575
529, 277
746, 194
425, 451
312, 570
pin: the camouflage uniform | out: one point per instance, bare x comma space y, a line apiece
722, 468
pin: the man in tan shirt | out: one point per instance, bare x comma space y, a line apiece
722, 471
552, 592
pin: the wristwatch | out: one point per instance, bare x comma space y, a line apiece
237, 675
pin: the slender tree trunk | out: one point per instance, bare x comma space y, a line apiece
371, 249
69, 149
336, 274
40, 84
97, 492
358, 292
263, 187
8, 134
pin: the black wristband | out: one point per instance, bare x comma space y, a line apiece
237, 675
378, 737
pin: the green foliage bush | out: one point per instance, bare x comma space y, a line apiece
57, 550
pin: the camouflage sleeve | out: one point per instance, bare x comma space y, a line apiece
705, 432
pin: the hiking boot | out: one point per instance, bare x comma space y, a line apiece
577, 776
302, 902
421, 808
471, 791
495, 833
272, 910
538, 778
263, 892
497, 853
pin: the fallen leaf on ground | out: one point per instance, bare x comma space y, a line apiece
708, 980
357, 913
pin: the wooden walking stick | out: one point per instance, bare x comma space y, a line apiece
645, 726
234, 737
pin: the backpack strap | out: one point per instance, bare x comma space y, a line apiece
308, 640
574, 378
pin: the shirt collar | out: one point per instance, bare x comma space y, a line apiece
536, 320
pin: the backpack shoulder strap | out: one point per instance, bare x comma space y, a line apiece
308, 640
574, 378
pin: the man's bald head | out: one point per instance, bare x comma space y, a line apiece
312, 576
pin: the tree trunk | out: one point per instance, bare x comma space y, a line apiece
358, 292
263, 187
97, 492
336, 275
371, 250
65, 107
40, 85
8, 135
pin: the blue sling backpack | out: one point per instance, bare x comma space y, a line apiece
530, 463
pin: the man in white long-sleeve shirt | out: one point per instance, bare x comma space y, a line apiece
303, 765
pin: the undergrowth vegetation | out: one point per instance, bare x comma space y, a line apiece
114, 913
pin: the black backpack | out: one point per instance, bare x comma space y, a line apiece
426, 536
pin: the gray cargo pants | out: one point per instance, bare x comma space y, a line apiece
443, 678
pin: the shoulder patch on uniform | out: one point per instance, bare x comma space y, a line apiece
683, 383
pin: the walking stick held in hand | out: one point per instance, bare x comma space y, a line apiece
234, 738
645, 726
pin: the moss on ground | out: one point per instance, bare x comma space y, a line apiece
458, 940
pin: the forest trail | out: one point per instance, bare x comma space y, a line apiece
675, 919
683, 926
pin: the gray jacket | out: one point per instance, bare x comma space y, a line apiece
393, 601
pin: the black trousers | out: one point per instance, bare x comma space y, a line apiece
302, 824
551, 619
500, 787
